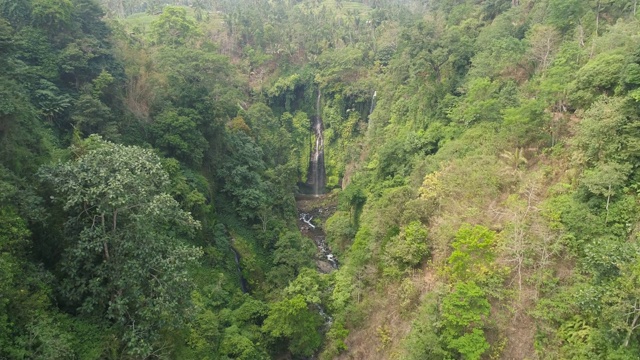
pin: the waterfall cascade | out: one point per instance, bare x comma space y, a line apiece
316, 177
319, 238
244, 285
373, 102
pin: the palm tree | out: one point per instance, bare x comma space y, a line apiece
514, 159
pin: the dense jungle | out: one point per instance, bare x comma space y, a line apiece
319, 179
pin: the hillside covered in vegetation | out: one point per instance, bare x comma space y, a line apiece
330, 179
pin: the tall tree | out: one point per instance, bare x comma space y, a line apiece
127, 260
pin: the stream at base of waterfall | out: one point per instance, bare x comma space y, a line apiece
310, 209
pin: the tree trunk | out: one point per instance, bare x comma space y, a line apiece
606, 218
115, 222
633, 326
104, 241
121, 8
597, 17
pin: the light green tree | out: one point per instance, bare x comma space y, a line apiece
623, 310
408, 248
174, 27
607, 133
606, 179
292, 320
473, 253
464, 312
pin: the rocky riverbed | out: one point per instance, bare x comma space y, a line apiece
313, 211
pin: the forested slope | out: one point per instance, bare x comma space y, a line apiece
481, 178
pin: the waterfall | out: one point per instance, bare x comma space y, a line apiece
316, 178
243, 282
373, 102
328, 320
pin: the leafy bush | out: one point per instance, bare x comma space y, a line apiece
409, 248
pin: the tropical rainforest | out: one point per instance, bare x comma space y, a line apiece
319, 179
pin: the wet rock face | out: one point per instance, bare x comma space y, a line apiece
324, 266
317, 177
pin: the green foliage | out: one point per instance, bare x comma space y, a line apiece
424, 342
292, 320
242, 174
621, 312
500, 50
395, 157
176, 132
101, 83
310, 284
336, 65
607, 133
344, 287
566, 14
604, 257
23, 144
13, 238
91, 116
351, 197
45, 340
576, 219
471, 345
524, 124
29, 326
54, 14
543, 41
336, 339
599, 76
407, 249
190, 189
285, 87
473, 254
271, 134
482, 102
197, 77
6, 38
126, 261
554, 86
292, 253
606, 178
237, 346
464, 312
469, 95
340, 230
173, 27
